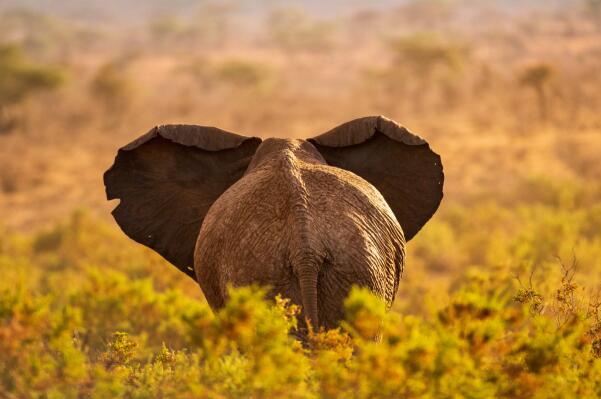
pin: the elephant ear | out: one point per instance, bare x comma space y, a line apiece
168, 178
398, 163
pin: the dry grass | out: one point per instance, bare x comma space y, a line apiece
475, 111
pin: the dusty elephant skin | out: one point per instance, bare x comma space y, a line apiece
308, 218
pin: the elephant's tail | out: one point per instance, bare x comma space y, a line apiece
307, 272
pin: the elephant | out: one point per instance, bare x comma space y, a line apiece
307, 218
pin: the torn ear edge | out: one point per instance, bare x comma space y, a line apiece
360, 130
212, 139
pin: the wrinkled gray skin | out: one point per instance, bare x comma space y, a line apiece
307, 218
305, 229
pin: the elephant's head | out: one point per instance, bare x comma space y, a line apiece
168, 179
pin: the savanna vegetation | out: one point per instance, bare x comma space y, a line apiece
501, 291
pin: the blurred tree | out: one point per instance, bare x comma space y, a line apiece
593, 8
538, 77
113, 89
200, 70
364, 24
243, 85
243, 74
423, 52
292, 29
422, 64
238, 74
213, 24
166, 28
209, 27
19, 78
426, 14
44, 36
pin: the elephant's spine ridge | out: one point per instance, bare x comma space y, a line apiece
304, 258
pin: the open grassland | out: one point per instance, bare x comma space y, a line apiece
500, 295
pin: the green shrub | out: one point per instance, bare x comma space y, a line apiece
86, 313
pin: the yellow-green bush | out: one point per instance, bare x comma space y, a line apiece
86, 313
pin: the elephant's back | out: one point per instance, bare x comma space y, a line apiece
252, 232
244, 238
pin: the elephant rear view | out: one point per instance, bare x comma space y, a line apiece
307, 218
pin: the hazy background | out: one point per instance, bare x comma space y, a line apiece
508, 92
501, 293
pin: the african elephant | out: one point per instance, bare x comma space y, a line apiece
307, 218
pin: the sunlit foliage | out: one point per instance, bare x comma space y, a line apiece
84, 312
